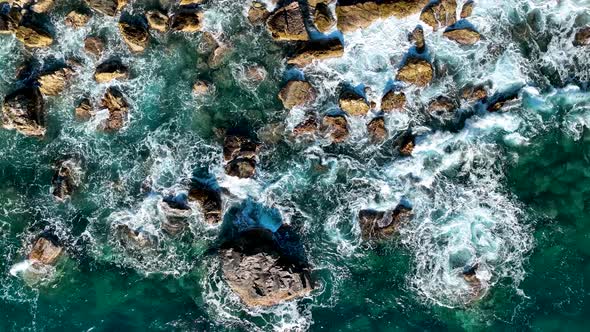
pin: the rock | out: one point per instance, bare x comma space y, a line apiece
393, 101
107, 7
33, 36
241, 167
317, 50
442, 106
353, 15
469, 274
377, 130
202, 88
501, 99
134, 238
407, 142
308, 127
467, 9
54, 82
258, 14
287, 23
10, 21
109, 70
336, 126
176, 212
66, 179
235, 146
118, 108
255, 73
271, 133
23, 110
440, 13
297, 93
474, 93
41, 6
258, 271
208, 43
94, 45
582, 37
353, 104
209, 201
76, 20
416, 71
45, 251
135, 35
218, 56
463, 36
84, 110
323, 19
382, 224
190, 2
417, 36
157, 20
187, 21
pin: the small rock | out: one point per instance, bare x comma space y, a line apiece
107, 7
84, 110
157, 20
109, 70
417, 36
94, 45
65, 180
416, 71
317, 50
393, 101
442, 106
235, 146
76, 20
135, 238
474, 93
382, 224
287, 24
135, 35
255, 73
54, 82
209, 201
353, 104
33, 36
218, 56
190, 2
308, 127
45, 251
440, 13
467, 9
582, 37
241, 167
24, 111
464, 36
208, 43
336, 126
201, 88
323, 19
377, 130
176, 212
118, 108
407, 144
187, 21
258, 14
297, 93
41, 6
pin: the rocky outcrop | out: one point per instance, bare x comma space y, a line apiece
84, 111
474, 93
52, 83
136, 239
336, 126
260, 273
406, 144
308, 127
118, 108
353, 15
377, 130
440, 13
353, 104
33, 36
582, 37
112, 69
317, 50
463, 36
157, 20
45, 251
209, 201
467, 9
176, 212
241, 167
393, 101
66, 179
187, 21
202, 88
76, 19
297, 93
258, 14
24, 111
287, 23
417, 37
135, 35
323, 18
107, 7
382, 224
94, 46
416, 71
442, 106
41, 6
10, 21
240, 153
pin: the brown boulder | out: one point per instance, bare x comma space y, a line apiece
287, 23
187, 21
109, 70
474, 93
297, 93
107, 7
377, 130
467, 9
235, 146
23, 110
323, 19
382, 224
317, 50
417, 36
118, 108
393, 101
65, 180
258, 14
464, 36
309, 126
416, 71
582, 37
209, 201
157, 20
136, 36
440, 13
442, 106
54, 82
76, 20
33, 36
359, 15
84, 110
41, 6
94, 45
45, 251
241, 167
336, 126
407, 142
353, 104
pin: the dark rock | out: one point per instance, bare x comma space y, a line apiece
297, 93
287, 23
383, 224
377, 130
442, 106
66, 179
322, 18
187, 21
258, 14
209, 200
135, 35
84, 111
134, 238
112, 69
336, 126
317, 50
582, 37
157, 20
241, 167
407, 142
308, 127
417, 36
474, 93
118, 108
235, 146
24, 111
176, 212
45, 251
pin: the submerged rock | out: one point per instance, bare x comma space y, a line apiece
463, 36
416, 71
287, 23
112, 69
257, 270
52, 83
440, 13
187, 21
202, 88
323, 19
84, 111
393, 101
353, 15
134, 238
34, 36
297, 93
41, 6
209, 200
582, 37
66, 179
382, 224
76, 19
317, 50
218, 56
353, 104
107, 7
45, 251
336, 127
157, 20
474, 93
377, 130
118, 108
135, 35
258, 14
24, 111
94, 46
467, 9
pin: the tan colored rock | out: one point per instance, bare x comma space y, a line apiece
440, 14
336, 126
94, 46
135, 36
416, 71
187, 21
393, 101
45, 251
84, 110
110, 70
118, 108
359, 15
24, 111
353, 104
54, 82
286, 23
157, 20
218, 56
582, 37
306, 128
323, 18
377, 130
33, 37
463, 36
66, 179
297, 93
107, 7
258, 14
41, 6
467, 9
441, 106
417, 36
201, 88
76, 20
474, 93
317, 50
190, 2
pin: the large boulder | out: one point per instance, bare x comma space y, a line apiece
442, 106
258, 14
261, 273
53, 82
112, 69
393, 101
33, 36
176, 213
209, 200
582, 37
76, 19
308, 127
66, 179
353, 103
336, 126
24, 111
241, 167
107, 7
135, 35
417, 37
475, 93
317, 50
440, 13
467, 9
187, 21
323, 18
94, 46
118, 108
353, 15
297, 93
157, 20
287, 23
45, 251
383, 224
377, 130
241, 153
463, 36
8, 24
416, 71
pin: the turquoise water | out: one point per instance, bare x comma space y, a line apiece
506, 189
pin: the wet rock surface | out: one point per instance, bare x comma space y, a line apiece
336, 126
463, 36
287, 24
112, 69
24, 110
46, 250
353, 103
323, 18
353, 15
209, 200
377, 130
114, 101
240, 154
187, 21
440, 13
52, 83
382, 224
76, 19
297, 93
135, 34
416, 71
107, 7
393, 101
582, 37
157, 20
65, 179
317, 50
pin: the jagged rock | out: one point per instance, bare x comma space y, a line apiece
65, 180
45, 251
201, 88
218, 56
23, 110
442, 106
136, 36
353, 104
463, 36
317, 50
235, 146
440, 13
84, 110
467, 9
258, 14
33, 36
416, 71
157, 20
41, 6
359, 15
309, 126
54, 82
474, 93
297, 93
190, 2
187, 21
377, 130
407, 143
94, 45
286, 23
582, 37
134, 238
118, 108
76, 20
10, 21
417, 36
393, 101
176, 212
336, 126
107, 7
323, 19
241, 167
382, 224
209, 201
501, 99
109, 70
260, 274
